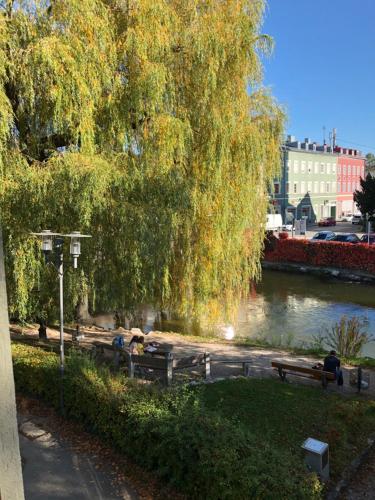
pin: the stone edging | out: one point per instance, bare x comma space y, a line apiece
349, 472
333, 272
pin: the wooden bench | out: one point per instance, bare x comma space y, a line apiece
284, 369
246, 364
168, 364
109, 352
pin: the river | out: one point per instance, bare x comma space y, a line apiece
290, 308
287, 309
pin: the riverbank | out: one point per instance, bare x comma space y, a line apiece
331, 272
222, 353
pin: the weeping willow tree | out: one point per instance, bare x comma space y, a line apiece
145, 124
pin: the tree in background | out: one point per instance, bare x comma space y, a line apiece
370, 163
145, 124
365, 198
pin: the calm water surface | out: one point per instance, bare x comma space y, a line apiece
287, 308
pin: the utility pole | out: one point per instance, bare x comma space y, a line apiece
11, 484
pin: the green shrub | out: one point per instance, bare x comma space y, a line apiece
168, 431
348, 336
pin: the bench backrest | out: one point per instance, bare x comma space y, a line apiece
150, 362
303, 369
189, 361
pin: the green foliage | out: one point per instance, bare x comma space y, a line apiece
348, 336
145, 124
204, 453
365, 198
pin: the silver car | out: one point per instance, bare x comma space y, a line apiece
323, 236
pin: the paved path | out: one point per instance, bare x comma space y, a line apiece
51, 469
362, 487
260, 357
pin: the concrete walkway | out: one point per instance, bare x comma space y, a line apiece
51, 469
260, 358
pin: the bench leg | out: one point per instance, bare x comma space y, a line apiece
246, 369
207, 365
359, 379
282, 374
169, 368
131, 367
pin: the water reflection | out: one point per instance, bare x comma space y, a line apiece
284, 309
293, 308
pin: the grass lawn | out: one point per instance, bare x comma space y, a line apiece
287, 414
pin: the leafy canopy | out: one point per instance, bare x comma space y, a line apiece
145, 124
365, 197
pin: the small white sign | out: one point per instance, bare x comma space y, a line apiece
315, 446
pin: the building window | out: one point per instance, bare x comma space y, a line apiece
303, 187
316, 187
328, 168
339, 169
287, 187
344, 170
339, 188
316, 167
349, 170
322, 187
333, 187
322, 169
333, 168
288, 165
295, 165
310, 167
309, 187
295, 188
303, 167
276, 188
327, 187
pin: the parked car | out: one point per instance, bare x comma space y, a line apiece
327, 221
357, 219
323, 236
346, 238
364, 239
347, 218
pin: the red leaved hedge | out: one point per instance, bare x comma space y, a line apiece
360, 257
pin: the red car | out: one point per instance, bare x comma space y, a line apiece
327, 221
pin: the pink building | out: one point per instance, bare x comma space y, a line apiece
350, 169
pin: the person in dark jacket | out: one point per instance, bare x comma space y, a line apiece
332, 364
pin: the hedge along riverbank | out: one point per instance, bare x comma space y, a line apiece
171, 432
359, 257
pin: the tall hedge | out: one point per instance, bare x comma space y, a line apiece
360, 257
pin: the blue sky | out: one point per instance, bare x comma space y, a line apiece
322, 69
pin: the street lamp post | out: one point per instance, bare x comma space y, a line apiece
75, 251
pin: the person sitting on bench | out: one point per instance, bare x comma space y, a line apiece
332, 364
133, 345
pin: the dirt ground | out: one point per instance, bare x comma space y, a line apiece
223, 355
363, 484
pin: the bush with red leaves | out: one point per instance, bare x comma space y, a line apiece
360, 257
